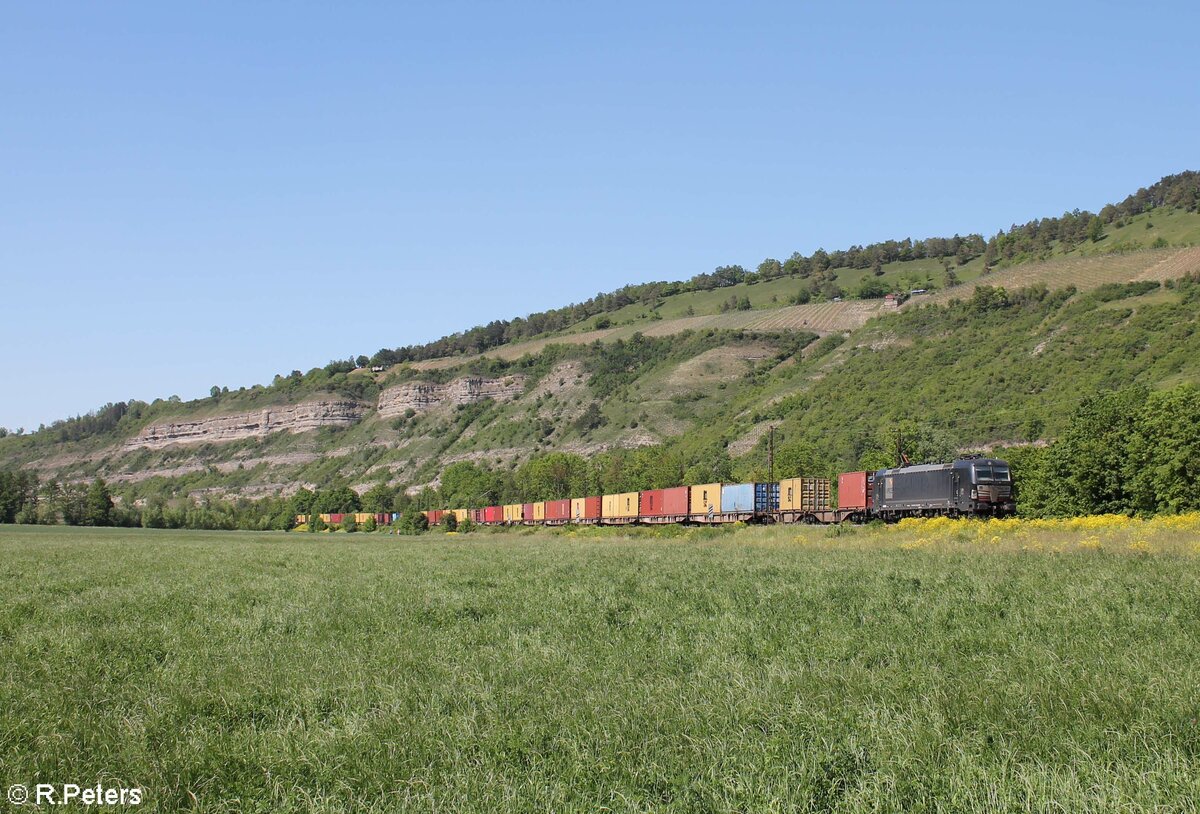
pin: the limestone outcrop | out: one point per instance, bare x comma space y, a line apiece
237, 426
421, 396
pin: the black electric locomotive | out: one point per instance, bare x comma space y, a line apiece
967, 487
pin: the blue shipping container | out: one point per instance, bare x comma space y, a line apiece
755, 498
766, 497
737, 497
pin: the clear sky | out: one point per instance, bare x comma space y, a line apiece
208, 193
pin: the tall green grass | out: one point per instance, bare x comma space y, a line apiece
742, 671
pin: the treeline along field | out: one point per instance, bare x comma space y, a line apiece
924, 667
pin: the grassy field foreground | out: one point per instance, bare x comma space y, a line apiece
932, 667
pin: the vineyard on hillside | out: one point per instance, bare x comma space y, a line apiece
1083, 272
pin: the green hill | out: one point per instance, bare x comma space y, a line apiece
999, 352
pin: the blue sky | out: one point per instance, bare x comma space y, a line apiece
199, 194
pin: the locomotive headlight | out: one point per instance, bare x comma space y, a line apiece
974, 494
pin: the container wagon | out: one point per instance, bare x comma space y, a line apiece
704, 504
745, 502
664, 505
804, 500
558, 512
619, 509
585, 510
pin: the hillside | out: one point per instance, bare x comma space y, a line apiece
700, 375
970, 373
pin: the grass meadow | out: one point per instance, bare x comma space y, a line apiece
928, 667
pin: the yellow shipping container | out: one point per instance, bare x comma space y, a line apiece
362, 517
539, 511
803, 494
578, 510
704, 497
619, 506
512, 513
460, 514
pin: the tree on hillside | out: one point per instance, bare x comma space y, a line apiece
98, 505
800, 458
412, 521
337, 501
18, 492
1095, 229
378, 498
1087, 464
1163, 461
770, 268
553, 476
468, 484
872, 289
302, 502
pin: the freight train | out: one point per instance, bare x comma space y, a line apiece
968, 487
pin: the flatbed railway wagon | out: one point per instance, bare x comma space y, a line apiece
663, 505
586, 510
557, 512
805, 500
734, 503
619, 509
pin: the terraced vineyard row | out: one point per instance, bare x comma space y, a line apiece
1084, 272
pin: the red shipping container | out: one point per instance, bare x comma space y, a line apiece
664, 502
527, 511
435, 516
476, 515
493, 514
675, 500
558, 509
336, 518
852, 490
382, 518
650, 503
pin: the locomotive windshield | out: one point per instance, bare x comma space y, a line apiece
992, 473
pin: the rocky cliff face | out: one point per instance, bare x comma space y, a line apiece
421, 396
235, 427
